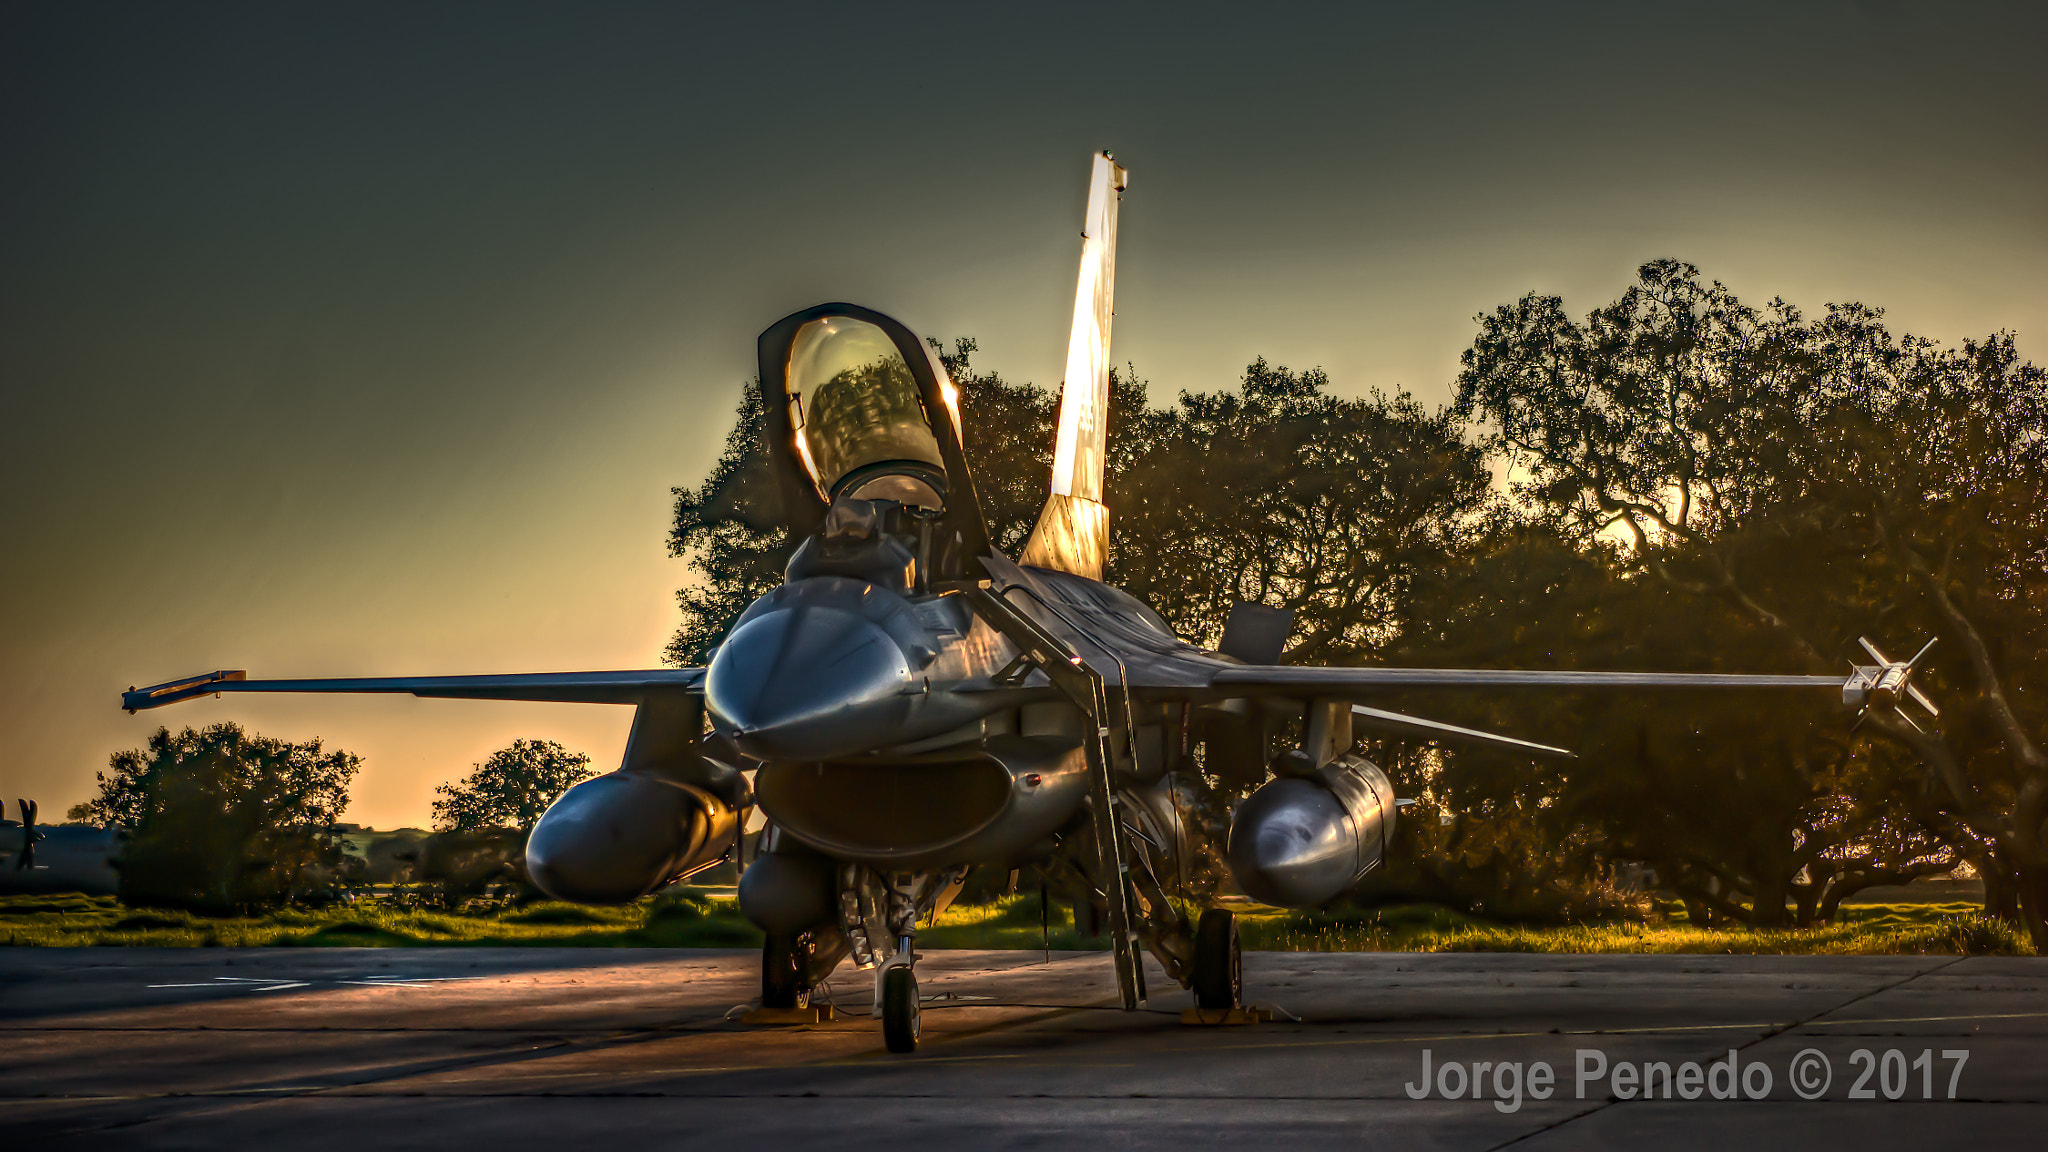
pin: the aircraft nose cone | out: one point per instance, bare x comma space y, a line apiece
808, 682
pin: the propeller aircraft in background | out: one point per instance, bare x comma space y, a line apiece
65, 858
911, 703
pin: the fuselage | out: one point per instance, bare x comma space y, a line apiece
895, 729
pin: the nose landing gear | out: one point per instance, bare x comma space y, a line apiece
896, 990
900, 1021
877, 909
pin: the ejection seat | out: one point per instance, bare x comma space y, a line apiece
856, 542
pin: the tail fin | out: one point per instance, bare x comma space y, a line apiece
1073, 530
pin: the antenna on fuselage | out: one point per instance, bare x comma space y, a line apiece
1073, 530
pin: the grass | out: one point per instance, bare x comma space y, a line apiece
695, 918
1859, 930
1864, 929
677, 919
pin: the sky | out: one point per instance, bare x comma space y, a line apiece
370, 339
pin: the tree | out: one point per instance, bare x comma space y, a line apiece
1934, 461
1741, 802
511, 788
224, 821
1787, 484
1283, 494
1008, 444
730, 531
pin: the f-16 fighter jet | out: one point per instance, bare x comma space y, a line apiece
911, 703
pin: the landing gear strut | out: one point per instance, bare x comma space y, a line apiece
1219, 962
785, 970
877, 909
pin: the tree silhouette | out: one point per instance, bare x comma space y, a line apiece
224, 821
510, 788
1789, 483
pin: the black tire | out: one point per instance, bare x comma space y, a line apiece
1219, 962
899, 1009
784, 965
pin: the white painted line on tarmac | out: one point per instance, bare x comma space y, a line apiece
384, 983
217, 982
279, 984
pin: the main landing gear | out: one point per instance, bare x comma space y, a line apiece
784, 971
1217, 975
791, 964
1219, 962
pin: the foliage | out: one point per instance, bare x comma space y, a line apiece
1284, 494
1008, 443
456, 866
1781, 485
730, 531
389, 857
224, 820
510, 788
1500, 861
1739, 806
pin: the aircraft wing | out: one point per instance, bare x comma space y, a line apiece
1340, 683
1288, 680
623, 687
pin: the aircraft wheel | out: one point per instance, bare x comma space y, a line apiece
899, 1009
1219, 962
783, 968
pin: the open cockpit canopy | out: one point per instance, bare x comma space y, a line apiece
859, 409
859, 415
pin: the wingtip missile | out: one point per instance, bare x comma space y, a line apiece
158, 695
1888, 684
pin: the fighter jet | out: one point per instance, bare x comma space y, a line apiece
911, 703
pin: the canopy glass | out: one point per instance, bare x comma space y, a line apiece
861, 426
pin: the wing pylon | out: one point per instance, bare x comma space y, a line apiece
1438, 730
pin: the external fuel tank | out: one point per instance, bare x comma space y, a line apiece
1302, 840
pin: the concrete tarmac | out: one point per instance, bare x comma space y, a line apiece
460, 1048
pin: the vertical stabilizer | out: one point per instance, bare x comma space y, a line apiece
1073, 530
